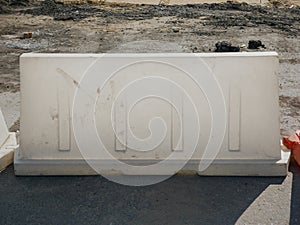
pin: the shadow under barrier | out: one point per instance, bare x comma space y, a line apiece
295, 198
182, 199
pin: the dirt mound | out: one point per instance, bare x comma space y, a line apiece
3, 6
7, 5
60, 11
223, 15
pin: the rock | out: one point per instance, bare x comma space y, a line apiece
27, 35
175, 29
295, 102
255, 44
224, 46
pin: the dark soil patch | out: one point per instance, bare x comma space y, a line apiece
60, 11
15, 127
219, 15
7, 5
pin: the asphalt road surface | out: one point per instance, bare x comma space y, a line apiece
183, 199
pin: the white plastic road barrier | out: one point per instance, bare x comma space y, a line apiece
8, 144
214, 113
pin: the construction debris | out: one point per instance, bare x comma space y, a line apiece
255, 44
26, 35
293, 143
224, 46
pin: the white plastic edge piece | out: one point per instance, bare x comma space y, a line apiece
8, 143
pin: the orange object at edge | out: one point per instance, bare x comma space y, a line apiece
293, 143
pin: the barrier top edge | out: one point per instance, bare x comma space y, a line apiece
96, 55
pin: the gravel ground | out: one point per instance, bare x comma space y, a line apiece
181, 28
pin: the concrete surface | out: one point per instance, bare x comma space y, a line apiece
183, 199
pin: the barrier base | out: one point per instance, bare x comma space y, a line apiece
217, 168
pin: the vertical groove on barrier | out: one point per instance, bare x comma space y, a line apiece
177, 122
120, 126
234, 118
63, 115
